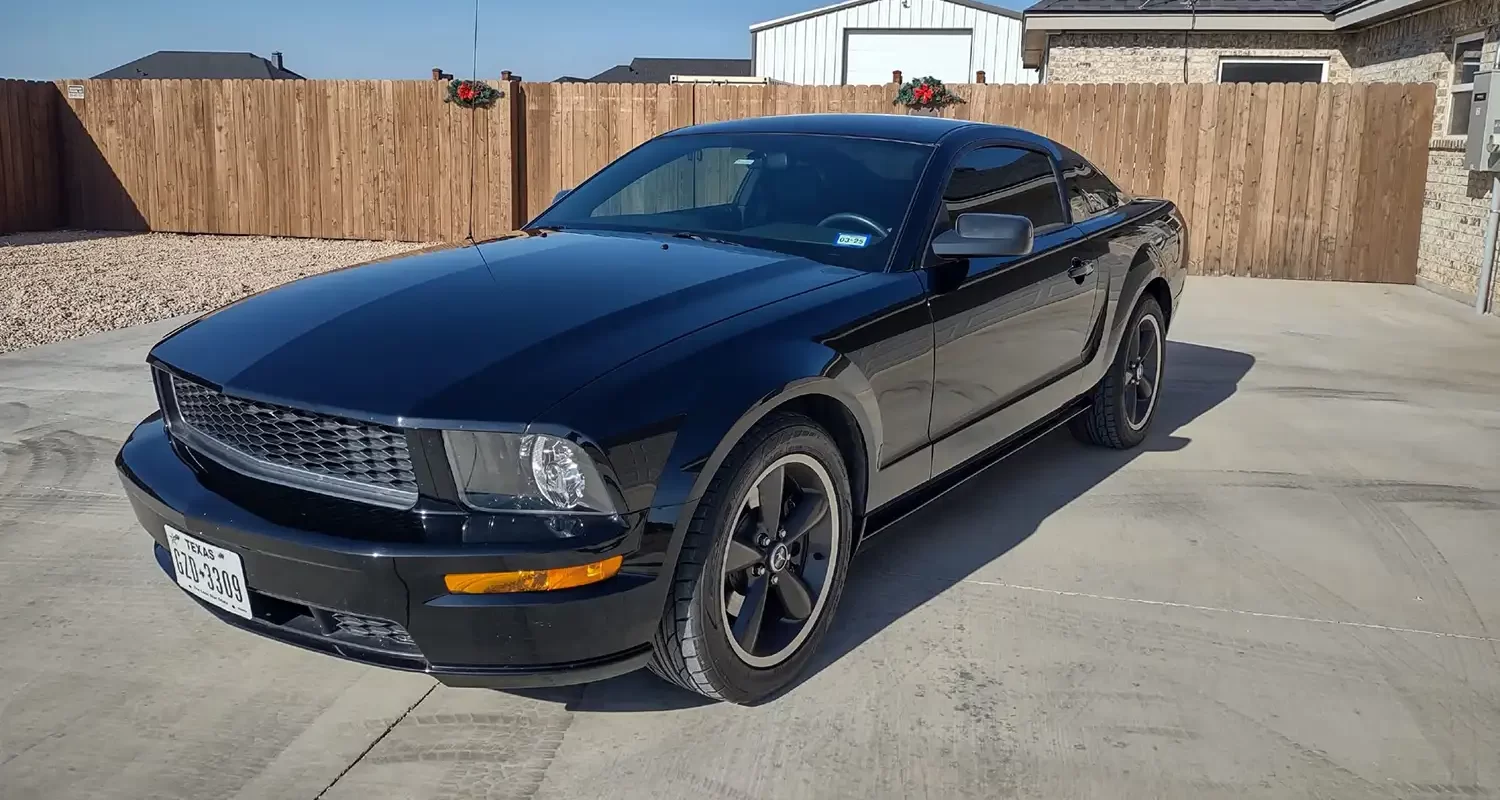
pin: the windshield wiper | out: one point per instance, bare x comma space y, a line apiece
698, 237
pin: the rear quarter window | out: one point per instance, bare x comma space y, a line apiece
1090, 192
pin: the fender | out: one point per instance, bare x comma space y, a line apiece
1146, 237
722, 406
841, 381
706, 440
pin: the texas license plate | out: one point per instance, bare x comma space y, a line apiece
209, 572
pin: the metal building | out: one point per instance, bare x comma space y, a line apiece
863, 41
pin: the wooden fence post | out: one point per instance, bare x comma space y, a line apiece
515, 111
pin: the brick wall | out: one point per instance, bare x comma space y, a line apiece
1157, 57
1456, 202
1420, 48
1454, 208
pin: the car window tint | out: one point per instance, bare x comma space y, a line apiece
838, 200
700, 179
1090, 193
1004, 180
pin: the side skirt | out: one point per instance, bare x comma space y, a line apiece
903, 506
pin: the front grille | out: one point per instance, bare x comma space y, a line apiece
319, 452
314, 512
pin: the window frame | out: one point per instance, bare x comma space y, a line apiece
1456, 88
924, 258
1224, 60
1057, 178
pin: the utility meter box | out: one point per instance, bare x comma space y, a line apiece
1483, 151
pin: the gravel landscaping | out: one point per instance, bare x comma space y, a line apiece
61, 284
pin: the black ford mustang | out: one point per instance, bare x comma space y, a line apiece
651, 428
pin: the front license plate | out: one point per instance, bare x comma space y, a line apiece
210, 572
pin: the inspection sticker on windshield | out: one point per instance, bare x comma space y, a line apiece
852, 240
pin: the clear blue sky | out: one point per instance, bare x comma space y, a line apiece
539, 39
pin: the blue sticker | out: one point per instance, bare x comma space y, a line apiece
852, 240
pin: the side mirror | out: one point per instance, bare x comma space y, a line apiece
985, 236
561, 193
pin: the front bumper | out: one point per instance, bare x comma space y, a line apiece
384, 603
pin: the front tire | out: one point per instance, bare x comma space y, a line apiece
1124, 402
763, 565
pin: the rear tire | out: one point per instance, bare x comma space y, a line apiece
749, 604
1124, 403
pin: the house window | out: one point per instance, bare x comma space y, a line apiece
1273, 70
1467, 51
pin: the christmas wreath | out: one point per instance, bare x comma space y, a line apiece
926, 92
471, 94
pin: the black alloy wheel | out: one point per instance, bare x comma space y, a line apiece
1124, 402
761, 567
1143, 361
779, 559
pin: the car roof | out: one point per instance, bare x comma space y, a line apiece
897, 127
926, 130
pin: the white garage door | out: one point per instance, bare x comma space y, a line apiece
870, 56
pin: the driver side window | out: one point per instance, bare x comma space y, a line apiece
1003, 180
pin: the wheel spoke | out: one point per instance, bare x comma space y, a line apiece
1145, 388
752, 614
1151, 342
1133, 352
795, 596
740, 556
770, 488
811, 509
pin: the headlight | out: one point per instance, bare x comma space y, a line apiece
531, 472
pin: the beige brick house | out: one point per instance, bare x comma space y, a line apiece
1444, 42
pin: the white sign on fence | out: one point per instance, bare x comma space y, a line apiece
75, 92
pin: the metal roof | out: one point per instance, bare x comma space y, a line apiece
661, 70
817, 12
1184, 7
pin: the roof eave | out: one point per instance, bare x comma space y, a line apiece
1377, 11
1136, 21
1359, 15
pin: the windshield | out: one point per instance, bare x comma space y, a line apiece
834, 199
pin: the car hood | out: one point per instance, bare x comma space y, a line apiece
493, 333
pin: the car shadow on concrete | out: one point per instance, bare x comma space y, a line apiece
939, 546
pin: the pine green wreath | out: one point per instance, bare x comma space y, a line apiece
928, 92
471, 94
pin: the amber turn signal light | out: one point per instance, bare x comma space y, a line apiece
533, 580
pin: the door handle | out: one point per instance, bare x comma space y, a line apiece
1081, 269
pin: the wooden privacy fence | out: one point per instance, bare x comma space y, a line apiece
331, 159
1318, 181
1298, 180
29, 177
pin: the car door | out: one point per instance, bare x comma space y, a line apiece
1097, 206
1007, 331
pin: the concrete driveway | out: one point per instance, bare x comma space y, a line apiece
1293, 590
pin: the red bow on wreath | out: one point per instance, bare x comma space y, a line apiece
924, 94
466, 92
